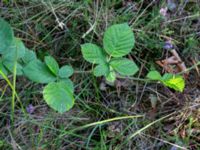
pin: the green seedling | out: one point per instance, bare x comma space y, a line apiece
175, 82
118, 41
16, 58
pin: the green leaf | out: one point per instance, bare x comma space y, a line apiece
69, 83
101, 70
154, 75
58, 96
6, 36
118, 40
93, 54
9, 64
38, 72
52, 64
16, 50
2, 143
176, 82
29, 56
124, 66
111, 77
167, 76
65, 71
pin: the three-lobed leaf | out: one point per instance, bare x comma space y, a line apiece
124, 66
38, 72
93, 53
6, 36
118, 40
59, 96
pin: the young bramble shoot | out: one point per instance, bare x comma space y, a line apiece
58, 93
175, 82
118, 41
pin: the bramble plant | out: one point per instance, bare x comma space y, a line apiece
19, 60
118, 41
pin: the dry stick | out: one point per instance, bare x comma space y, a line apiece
82, 72
173, 60
181, 64
165, 67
